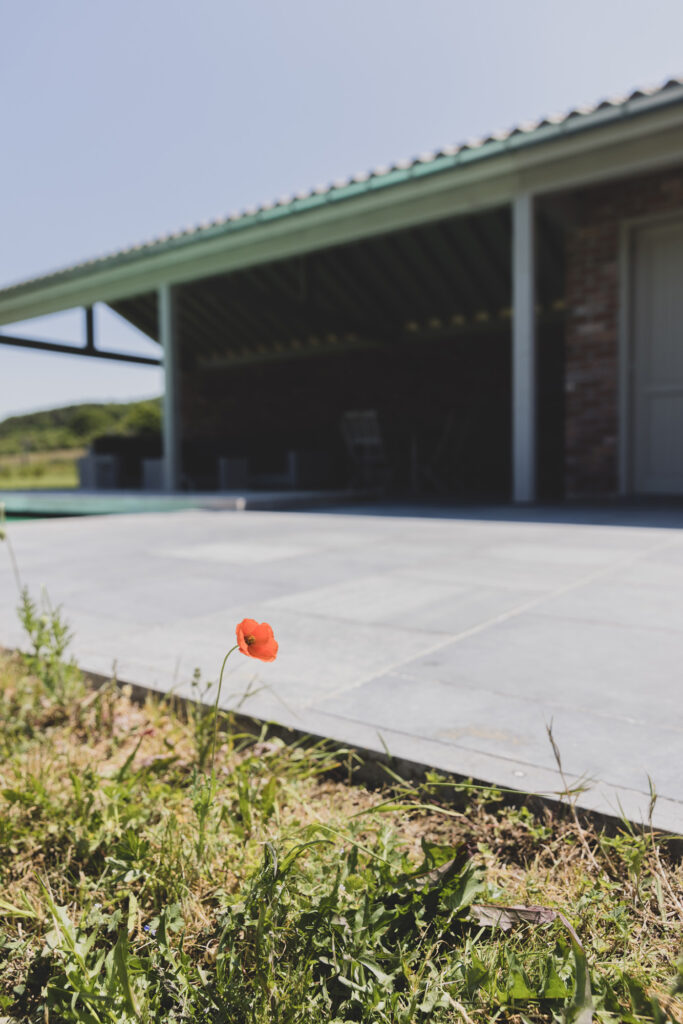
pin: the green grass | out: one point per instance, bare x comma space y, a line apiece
130, 892
39, 451
40, 470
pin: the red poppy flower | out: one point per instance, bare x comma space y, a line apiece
256, 640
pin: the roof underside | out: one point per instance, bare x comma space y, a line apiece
441, 278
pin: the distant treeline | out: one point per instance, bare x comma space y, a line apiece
77, 425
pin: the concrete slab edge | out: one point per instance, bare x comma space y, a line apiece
604, 805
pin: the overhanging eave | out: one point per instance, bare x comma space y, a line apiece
561, 159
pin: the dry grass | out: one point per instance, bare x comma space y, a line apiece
32, 458
40, 470
101, 813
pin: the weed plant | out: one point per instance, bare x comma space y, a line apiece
293, 897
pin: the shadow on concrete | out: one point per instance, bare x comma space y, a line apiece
664, 513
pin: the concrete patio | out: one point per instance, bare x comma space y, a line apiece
447, 637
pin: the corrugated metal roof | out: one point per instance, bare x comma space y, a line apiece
544, 129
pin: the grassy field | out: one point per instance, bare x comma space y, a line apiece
39, 450
134, 889
40, 470
76, 426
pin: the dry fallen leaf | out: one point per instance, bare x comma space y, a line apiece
492, 915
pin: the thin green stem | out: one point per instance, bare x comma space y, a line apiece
215, 719
15, 566
4, 535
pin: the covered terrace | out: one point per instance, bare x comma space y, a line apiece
432, 291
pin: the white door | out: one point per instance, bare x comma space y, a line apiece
657, 353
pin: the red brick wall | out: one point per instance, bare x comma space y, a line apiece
592, 293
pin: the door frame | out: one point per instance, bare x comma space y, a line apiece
625, 353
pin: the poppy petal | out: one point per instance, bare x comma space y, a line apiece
256, 640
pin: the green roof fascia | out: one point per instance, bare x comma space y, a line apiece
418, 170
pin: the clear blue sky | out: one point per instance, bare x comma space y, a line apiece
123, 120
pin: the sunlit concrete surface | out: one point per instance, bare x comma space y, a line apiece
449, 638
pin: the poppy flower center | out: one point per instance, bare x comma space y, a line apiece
249, 640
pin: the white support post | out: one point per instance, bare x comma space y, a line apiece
523, 350
168, 336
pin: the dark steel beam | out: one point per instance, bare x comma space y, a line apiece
72, 350
89, 330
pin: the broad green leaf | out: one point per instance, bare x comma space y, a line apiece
132, 914
554, 987
121, 963
517, 985
268, 796
9, 909
580, 1010
384, 979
